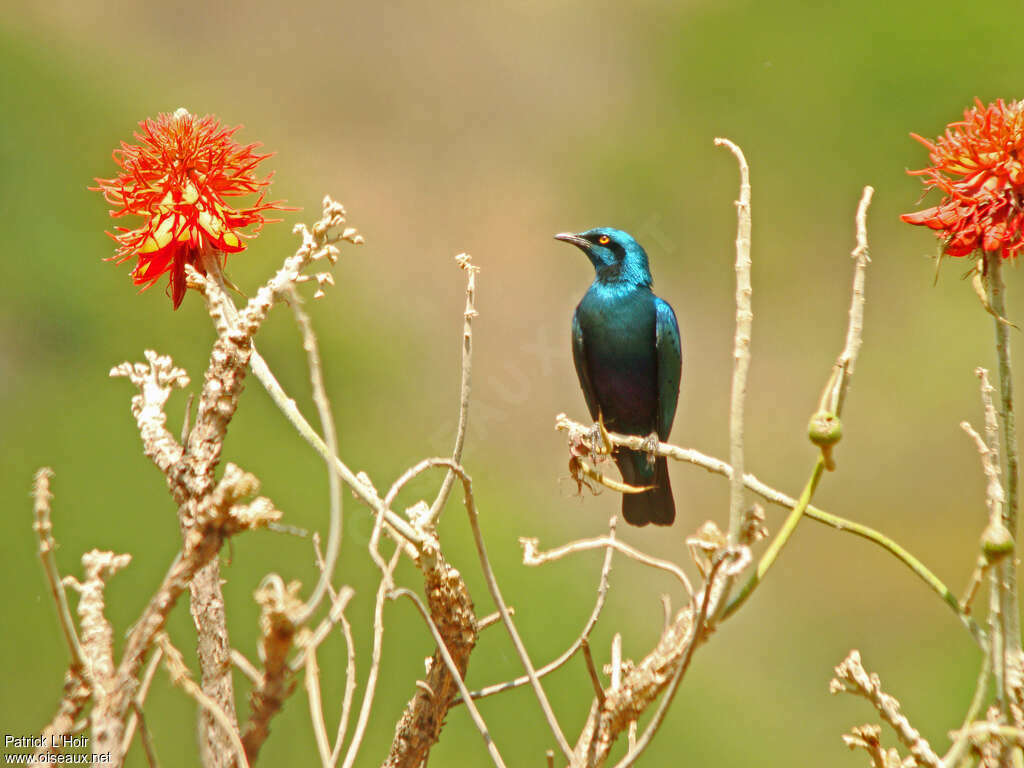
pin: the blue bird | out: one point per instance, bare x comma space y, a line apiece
625, 344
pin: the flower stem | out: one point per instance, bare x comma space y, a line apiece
1008, 571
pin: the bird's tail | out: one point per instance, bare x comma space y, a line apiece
654, 506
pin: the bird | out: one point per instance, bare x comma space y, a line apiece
628, 356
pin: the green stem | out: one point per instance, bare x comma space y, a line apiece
1007, 569
897, 551
770, 555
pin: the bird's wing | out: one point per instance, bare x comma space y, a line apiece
579, 357
670, 364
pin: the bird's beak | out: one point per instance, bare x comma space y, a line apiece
569, 237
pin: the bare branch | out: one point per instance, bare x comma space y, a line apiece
491, 619
323, 407
97, 634
155, 383
699, 629
860, 254
492, 585
316, 709
602, 593
741, 342
452, 612
245, 666
852, 678
339, 603
220, 516
616, 664
136, 717
148, 747
44, 531
180, 676
371, 680
190, 475
455, 673
994, 496
464, 261
640, 684
317, 243
592, 671
533, 557
76, 695
350, 687
395, 525
869, 738
280, 606
98, 642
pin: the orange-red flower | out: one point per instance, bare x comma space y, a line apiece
979, 165
177, 178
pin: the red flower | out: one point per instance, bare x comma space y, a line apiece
979, 165
177, 179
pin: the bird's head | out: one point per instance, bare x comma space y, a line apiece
616, 256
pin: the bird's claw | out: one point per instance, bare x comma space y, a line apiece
600, 441
651, 443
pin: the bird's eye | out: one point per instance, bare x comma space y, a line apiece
604, 239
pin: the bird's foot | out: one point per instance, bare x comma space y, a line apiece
600, 441
651, 443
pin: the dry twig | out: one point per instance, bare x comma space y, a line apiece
280, 606
465, 262
375, 657
44, 531
602, 593
180, 676
661, 670
456, 674
741, 342
852, 678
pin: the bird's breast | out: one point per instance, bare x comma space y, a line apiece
619, 333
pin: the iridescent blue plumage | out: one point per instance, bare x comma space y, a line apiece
626, 347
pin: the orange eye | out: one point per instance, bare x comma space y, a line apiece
604, 239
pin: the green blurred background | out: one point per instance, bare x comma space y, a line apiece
449, 127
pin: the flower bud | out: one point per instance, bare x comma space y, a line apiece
996, 541
825, 429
